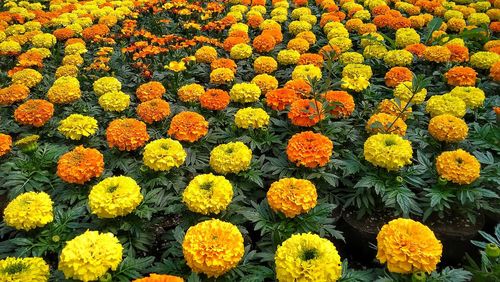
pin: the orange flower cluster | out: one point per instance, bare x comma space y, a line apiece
149, 91
30, 59
264, 43
342, 103
311, 59
301, 86
80, 165
305, 112
188, 126
63, 34
153, 110
34, 112
215, 99
397, 75
459, 53
461, 76
292, 196
159, 278
224, 63
126, 134
391, 19
95, 32
279, 99
5, 144
309, 149
13, 93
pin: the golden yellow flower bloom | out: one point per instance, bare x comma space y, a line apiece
208, 194
448, 128
389, 151
458, 167
176, 66
292, 196
232, 157
114, 196
251, 118
29, 210
24, 269
76, 126
164, 154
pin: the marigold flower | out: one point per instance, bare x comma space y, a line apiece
495, 71
279, 99
159, 278
305, 112
126, 134
408, 246
241, 51
213, 247
399, 58
67, 70
292, 196
13, 93
208, 194
221, 76
114, 101
288, 57
114, 196
153, 110
65, 90
24, 269
63, 34
34, 112
448, 128
397, 75
307, 257
265, 82
251, 118
245, 92
459, 53
309, 149
188, 126
392, 108
298, 44
341, 102
389, 151
405, 93
176, 66
437, 54
232, 157
27, 77
5, 144
301, 86
95, 32
106, 84
472, 96
484, 60
214, 99
224, 63
149, 91
458, 166
461, 76
385, 123
206, 54
264, 43
29, 210
264, 64
89, 256
191, 92
446, 104
406, 36
80, 165
232, 41
164, 154
306, 72
77, 126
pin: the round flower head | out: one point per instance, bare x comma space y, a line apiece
484, 60
397, 75
301, 86
5, 144
448, 128
114, 101
306, 72
408, 246
341, 102
13, 94
106, 84
65, 90
265, 82
215, 99
29, 210
126, 134
224, 63
406, 36
472, 96
241, 51
264, 43
292, 196
44, 40
149, 91
305, 112
445, 104
206, 54
77, 126
24, 269
153, 110
309, 149
245, 92
265, 64
34, 112
389, 151
114, 196
458, 167
159, 278
437, 54
27, 77
251, 118
461, 76
382, 123
89, 256
213, 247
80, 165
307, 257
398, 58
164, 154
188, 126
191, 92
279, 99
232, 157
404, 93
221, 76
288, 57
208, 194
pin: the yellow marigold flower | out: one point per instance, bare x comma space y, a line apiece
106, 84
306, 72
264, 64
164, 154
292, 196
357, 70
448, 128
76, 48
309, 36
190, 92
114, 196
307, 257
311, 19
68, 70
213, 247
245, 92
357, 84
206, 54
351, 58
265, 82
404, 93
343, 43
484, 60
406, 36
208, 194
232, 157
29, 210
114, 101
478, 19
389, 151
221, 76
176, 66
24, 269
408, 246
398, 58
437, 54
370, 39
375, 52
251, 118
75, 60
76, 126
65, 90
89, 256
44, 40
5, 144
380, 123
239, 26
446, 104
296, 27
27, 77
298, 12
241, 51
472, 96
10, 47
458, 166
288, 57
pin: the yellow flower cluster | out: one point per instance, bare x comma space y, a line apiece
114, 101
114, 196
89, 256
386, 123
408, 246
265, 82
164, 154
76, 126
27, 77
484, 60
44, 40
251, 118
221, 76
264, 64
404, 93
448, 128
245, 92
309, 258
213, 247
445, 104
208, 194
389, 151
458, 166
205, 54
106, 84
398, 58
29, 210
191, 92
24, 269
472, 96
232, 157
406, 36
241, 51
306, 72
288, 57
65, 90
292, 196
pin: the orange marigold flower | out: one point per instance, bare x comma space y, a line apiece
153, 110
254, 20
380, 123
311, 59
74, 41
80, 165
264, 43
392, 108
34, 112
459, 53
30, 59
279, 99
275, 33
367, 28
215, 99
191, 92
292, 196
417, 49
13, 93
95, 31
63, 34
495, 26
309, 149
206, 54
149, 91
126, 134
301, 86
305, 112
437, 54
188, 126
224, 63
330, 50
342, 103
353, 25
159, 278
380, 10
461, 76
5, 144
495, 71
231, 41
397, 75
